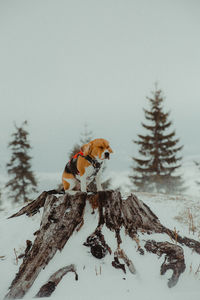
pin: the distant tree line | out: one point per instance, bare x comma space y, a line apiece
154, 169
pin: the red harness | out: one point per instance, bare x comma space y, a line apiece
77, 154
71, 166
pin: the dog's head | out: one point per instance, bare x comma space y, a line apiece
98, 148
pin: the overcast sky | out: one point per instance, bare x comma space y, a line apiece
64, 63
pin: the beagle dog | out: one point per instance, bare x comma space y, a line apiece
86, 165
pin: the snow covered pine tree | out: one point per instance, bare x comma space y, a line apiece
155, 169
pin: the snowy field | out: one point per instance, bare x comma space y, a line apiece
97, 278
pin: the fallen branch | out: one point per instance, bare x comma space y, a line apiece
48, 288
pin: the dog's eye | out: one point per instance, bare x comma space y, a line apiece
101, 147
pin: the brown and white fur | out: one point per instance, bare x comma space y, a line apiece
98, 149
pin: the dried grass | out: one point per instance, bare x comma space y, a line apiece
190, 217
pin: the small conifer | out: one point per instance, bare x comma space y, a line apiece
155, 169
23, 181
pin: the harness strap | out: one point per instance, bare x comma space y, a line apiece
78, 154
94, 162
71, 166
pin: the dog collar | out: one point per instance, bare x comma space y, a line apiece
94, 162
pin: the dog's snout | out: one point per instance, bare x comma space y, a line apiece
107, 154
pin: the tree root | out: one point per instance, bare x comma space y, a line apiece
63, 215
120, 254
174, 258
48, 288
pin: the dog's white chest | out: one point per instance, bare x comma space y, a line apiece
89, 171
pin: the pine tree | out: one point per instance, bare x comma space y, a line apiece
23, 181
76, 148
156, 167
86, 135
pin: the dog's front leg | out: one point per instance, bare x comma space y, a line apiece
83, 184
98, 181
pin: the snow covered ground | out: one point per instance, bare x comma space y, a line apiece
97, 278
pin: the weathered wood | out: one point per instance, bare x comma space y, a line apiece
48, 288
138, 217
60, 217
117, 265
120, 254
174, 258
98, 247
28, 247
34, 207
109, 205
190, 243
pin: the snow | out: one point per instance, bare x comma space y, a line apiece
97, 279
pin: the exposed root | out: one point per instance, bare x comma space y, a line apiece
48, 288
97, 244
63, 215
121, 254
174, 258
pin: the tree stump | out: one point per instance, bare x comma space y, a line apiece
63, 214
60, 218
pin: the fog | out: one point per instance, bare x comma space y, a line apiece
64, 63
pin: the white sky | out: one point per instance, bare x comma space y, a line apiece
64, 63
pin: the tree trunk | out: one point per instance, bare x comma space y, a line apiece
60, 218
63, 214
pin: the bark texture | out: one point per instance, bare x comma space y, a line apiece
174, 258
60, 218
63, 214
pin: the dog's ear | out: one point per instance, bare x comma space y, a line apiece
86, 149
110, 150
